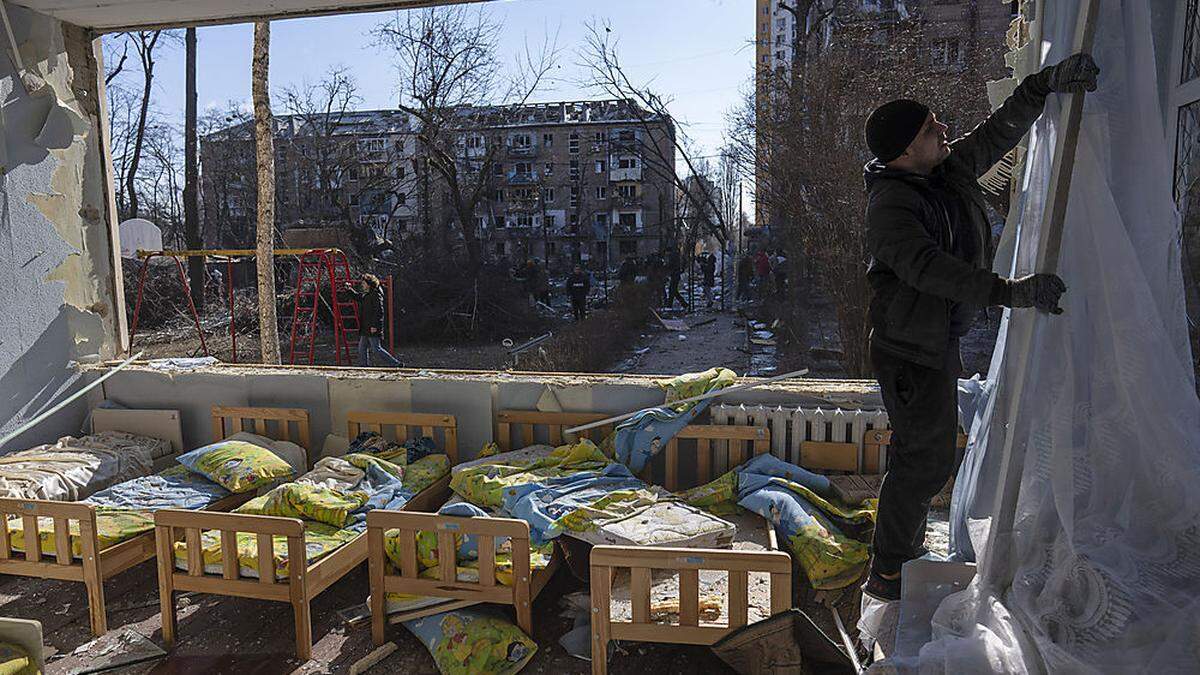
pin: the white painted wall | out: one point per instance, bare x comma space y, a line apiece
55, 256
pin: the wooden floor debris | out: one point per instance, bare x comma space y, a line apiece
371, 660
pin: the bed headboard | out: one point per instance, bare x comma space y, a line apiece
162, 424
398, 426
526, 424
274, 423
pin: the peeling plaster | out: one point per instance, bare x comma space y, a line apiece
55, 255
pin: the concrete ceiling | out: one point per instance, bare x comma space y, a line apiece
116, 15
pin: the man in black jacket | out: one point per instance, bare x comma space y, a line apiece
579, 284
930, 274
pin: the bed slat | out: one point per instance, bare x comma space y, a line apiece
781, 592
672, 465
447, 558
639, 593
195, 554
522, 597
62, 541
739, 598
556, 436
266, 559
427, 432
487, 560
408, 554
526, 435
33, 543
689, 597
703, 461
5, 542
229, 554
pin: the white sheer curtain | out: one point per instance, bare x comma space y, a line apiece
1105, 551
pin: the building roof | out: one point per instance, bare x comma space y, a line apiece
384, 122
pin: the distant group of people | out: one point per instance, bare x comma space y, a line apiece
761, 272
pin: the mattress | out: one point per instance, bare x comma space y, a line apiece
74, 468
320, 540
125, 510
665, 523
752, 534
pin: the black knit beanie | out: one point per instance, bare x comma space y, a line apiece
893, 126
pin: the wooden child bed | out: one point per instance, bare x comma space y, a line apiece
304, 582
529, 427
98, 564
715, 448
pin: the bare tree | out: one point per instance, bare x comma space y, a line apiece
191, 187
453, 85
801, 138
227, 174
264, 138
323, 152
601, 60
145, 43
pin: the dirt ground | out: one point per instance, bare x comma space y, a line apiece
234, 635
721, 341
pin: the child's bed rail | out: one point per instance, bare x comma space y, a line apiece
275, 423
63, 564
398, 426
188, 526
525, 585
688, 562
531, 426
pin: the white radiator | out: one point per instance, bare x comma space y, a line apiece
792, 426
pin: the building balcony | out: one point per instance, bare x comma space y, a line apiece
522, 151
628, 201
618, 175
522, 177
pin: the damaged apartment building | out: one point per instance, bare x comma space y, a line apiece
566, 182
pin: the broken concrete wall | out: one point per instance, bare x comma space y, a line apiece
472, 397
56, 262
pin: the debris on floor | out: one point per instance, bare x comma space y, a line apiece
371, 660
115, 649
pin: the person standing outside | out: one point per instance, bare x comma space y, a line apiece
674, 270
762, 271
369, 295
579, 284
745, 273
930, 274
708, 268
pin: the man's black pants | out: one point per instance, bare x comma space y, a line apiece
579, 308
922, 405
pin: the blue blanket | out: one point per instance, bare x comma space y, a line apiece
173, 488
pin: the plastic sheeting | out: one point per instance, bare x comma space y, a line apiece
1105, 548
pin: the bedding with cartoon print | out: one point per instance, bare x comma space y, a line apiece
332, 501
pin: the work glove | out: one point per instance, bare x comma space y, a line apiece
1073, 75
1038, 290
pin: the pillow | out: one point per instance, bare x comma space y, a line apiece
286, 450
474, 641
237, 466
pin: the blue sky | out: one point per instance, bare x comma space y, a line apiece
700, 52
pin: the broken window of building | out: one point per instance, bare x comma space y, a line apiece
601, 192
548, 140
